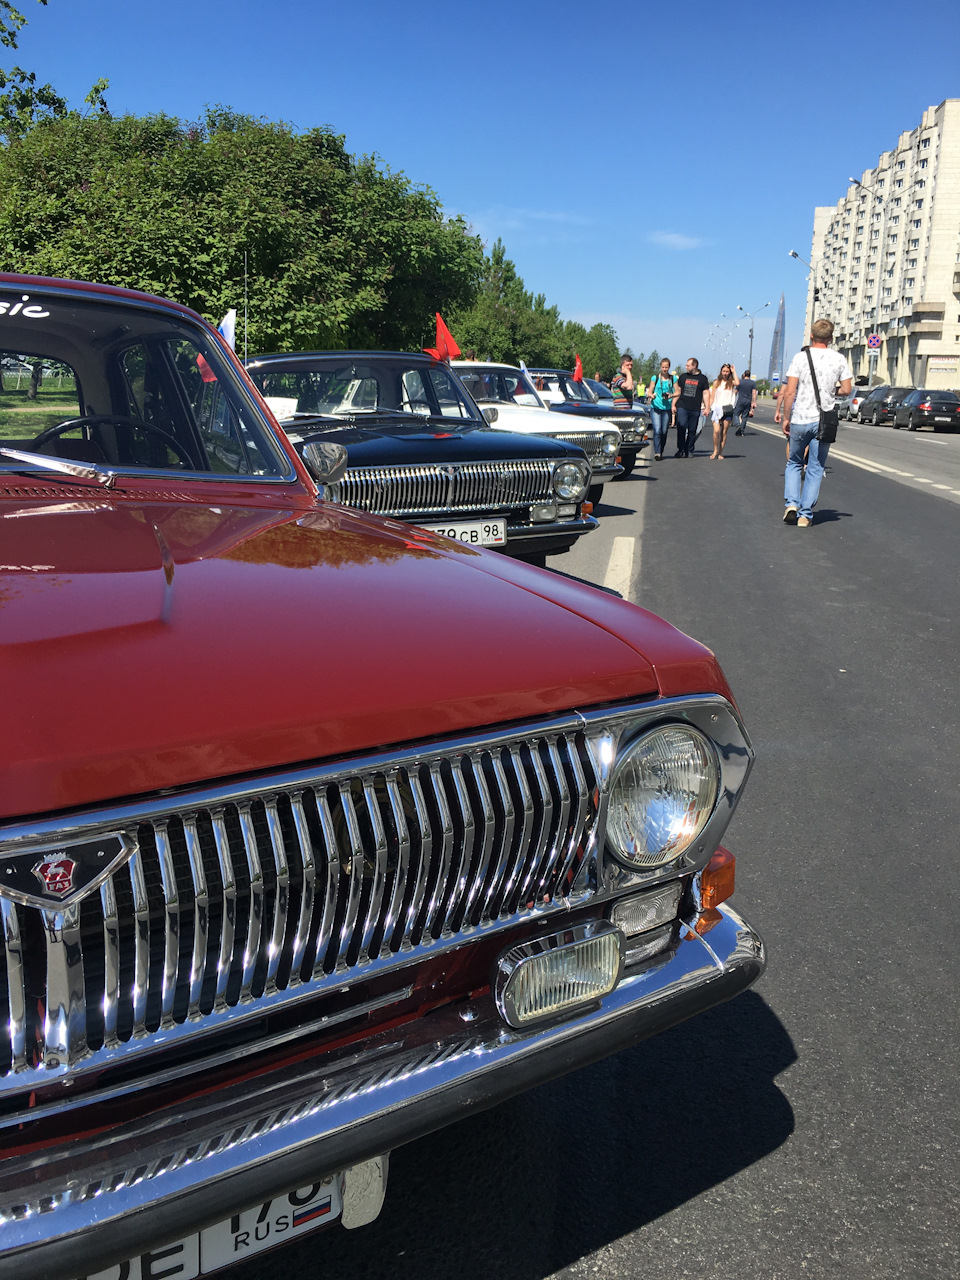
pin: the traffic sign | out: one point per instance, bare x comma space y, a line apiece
873, 342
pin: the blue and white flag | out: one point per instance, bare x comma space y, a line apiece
228, 327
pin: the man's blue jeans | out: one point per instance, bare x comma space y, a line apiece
741, 412
804, 499
661, 425
687, 420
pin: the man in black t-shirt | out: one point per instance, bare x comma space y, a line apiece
690, 399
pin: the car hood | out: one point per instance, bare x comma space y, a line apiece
150, 645
386, 444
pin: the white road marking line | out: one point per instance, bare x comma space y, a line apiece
875, 468
619, 573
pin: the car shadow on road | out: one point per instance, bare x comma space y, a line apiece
528, 1188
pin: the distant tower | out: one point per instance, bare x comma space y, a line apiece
776, 347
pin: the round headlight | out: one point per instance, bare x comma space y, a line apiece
570, 481
609, 444
662, 794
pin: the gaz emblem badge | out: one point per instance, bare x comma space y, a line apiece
56, 875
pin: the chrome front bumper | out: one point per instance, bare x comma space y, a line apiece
71, 1211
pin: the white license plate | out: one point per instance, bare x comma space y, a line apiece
474, 533
236, 1239
941, 419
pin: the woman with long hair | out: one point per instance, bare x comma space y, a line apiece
723, 396
660, 391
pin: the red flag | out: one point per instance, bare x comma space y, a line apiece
578, 370
446, 348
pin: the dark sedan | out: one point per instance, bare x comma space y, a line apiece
937, 409
882, 404
418, 450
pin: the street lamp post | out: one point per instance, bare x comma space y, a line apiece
792, 253
750, 315
875, 354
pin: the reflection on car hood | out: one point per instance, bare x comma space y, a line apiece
389, 443
156, 645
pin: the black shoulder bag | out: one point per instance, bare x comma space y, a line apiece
829, 418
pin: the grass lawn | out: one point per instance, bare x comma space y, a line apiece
22, 419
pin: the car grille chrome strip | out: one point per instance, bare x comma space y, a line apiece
443, 488
589, 441
234, 907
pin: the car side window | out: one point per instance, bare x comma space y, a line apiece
452, 404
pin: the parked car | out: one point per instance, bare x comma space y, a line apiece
843, 405
519, 408
881, 405
418, 450
857, 399
937, 409
317, 830
635, 436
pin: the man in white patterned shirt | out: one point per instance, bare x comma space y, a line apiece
801, 420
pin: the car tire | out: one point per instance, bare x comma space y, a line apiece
628, 465
595, 493
895, 424
911, 423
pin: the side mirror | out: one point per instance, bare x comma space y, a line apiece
325, 461
490, 413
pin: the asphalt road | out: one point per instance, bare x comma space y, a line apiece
810, 1127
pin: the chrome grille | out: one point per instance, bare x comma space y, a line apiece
588, 441
437, 489
235, 903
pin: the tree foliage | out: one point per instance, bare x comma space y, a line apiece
338, 251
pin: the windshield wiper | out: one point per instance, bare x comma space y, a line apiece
76, 470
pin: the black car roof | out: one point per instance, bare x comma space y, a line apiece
420, 356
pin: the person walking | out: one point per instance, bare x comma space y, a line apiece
691, 397
660, 391
746, 402
801, 419
622, 383
723, 396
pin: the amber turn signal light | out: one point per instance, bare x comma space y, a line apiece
717, 878
587, 508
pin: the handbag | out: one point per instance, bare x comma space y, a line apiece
829, 418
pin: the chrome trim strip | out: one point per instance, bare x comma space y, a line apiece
403, 857
481, 875
158, 1179
325, 949
251, 947
141, 915
281, 896
308, 872
65, 1020
379, 854
353, 859
16, 986
171, 936
228, 917
201, 915
111, 967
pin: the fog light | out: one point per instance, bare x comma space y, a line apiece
644, 911
550, 976
544, 514
565, 512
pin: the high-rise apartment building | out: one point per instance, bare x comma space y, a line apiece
886, 259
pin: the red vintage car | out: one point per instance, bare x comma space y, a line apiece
316, 829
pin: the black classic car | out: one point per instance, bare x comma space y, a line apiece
418, 450
568, 395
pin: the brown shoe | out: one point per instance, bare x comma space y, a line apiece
803, 522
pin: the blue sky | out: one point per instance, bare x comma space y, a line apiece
645, 166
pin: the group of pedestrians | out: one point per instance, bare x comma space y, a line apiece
687, 399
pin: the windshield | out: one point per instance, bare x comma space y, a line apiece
599, 389
565, 384
124, 387
352, 387
498, 386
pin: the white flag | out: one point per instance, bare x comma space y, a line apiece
228, 327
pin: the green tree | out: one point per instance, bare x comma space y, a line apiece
506, 322
22, 101
338, 251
